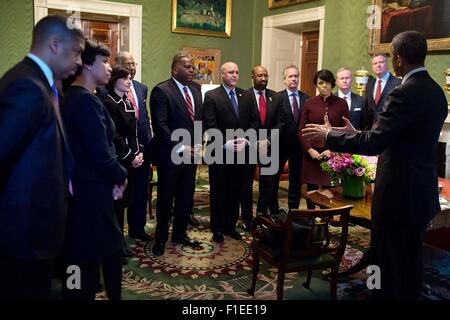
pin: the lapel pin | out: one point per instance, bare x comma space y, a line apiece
270, 98
240, 94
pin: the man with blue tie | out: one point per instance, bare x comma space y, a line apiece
228, 107
35, 160
290, 148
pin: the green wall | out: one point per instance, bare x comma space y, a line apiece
345, 40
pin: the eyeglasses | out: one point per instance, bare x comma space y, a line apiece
133, 64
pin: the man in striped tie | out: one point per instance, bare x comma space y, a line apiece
175, 104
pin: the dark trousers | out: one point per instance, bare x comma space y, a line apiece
398, 251
294, 155
175, 183
246, 199
90, 278
25, 280
137, 210
267, 193
225, 182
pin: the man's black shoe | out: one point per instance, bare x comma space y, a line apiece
141, 236
187, 242
234, 234
158, 248
218, 237
193, 221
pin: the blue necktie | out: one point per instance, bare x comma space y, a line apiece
234, 103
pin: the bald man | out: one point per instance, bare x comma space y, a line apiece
35, 161
227, 107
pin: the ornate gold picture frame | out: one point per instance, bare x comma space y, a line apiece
282, 3
207, 17
206, 64
388, 18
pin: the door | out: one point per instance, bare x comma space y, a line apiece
286, 51
310, 55
103, 31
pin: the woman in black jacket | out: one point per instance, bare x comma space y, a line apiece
128, 149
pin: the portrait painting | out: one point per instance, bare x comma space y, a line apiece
206, 64
430, 17
202, 17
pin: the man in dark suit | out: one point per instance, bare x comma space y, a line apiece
378, 89
290, 148
137, 211
405, 198
35, 160
270, 110
356, 103
228, 107
175, 104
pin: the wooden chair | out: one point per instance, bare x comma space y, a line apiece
327, 254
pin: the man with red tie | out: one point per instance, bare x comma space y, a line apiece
377, 89
270, 110
175, 103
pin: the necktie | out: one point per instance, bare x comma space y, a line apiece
55, 100
347, 100
294, 106
189, 103
262, 107
234, 103
378, 93
133, 103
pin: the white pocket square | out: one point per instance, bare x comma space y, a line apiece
357, 109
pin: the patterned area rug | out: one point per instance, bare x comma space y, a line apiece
223, 271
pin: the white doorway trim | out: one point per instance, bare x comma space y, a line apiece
291, 18
131, 11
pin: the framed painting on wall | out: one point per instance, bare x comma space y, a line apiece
391, 17
202, 17
282, 3
206, 64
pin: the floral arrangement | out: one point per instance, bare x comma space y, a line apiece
341, 164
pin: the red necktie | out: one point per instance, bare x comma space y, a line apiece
189, 103
133, 103
262, 107
378, 93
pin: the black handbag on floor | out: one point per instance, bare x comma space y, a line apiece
306, 233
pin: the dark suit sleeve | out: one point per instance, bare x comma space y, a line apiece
92, 134
144, 120
397, 119
254, 114
123, 150
160, 117
209, 112
22, 108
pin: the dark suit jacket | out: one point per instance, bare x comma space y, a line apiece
169, 112
218, 112
93, 232
274, 112
144, 131
33, 173
357, 108
289, 136
372, 111
405, 137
